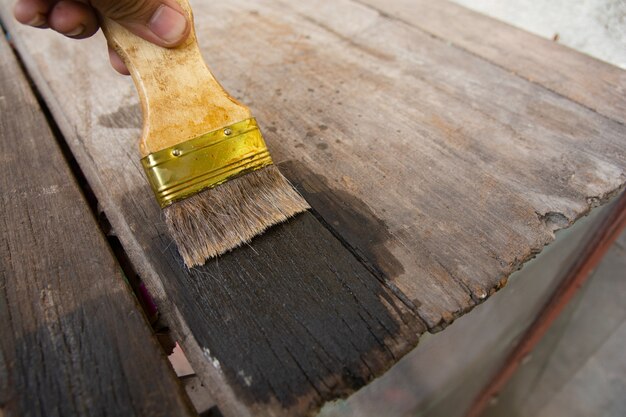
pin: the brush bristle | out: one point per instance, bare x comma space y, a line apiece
220, 219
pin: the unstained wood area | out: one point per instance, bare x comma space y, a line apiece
438, 148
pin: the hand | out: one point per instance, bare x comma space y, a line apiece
161, 22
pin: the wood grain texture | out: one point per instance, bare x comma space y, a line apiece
445, 373
275, 328
74, 340
292, 319
590, 82
439, 171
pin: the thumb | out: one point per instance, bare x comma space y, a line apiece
162, 22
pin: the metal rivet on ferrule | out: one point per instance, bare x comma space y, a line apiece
228, 131
205, 161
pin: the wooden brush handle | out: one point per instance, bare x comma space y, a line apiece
180, 98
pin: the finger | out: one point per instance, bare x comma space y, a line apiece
117, 63
162, 22
32, 12
73, 19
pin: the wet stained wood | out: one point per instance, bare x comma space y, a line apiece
74, 341
274, 328
433, 173
292, 319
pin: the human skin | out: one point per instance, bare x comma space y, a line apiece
161, 22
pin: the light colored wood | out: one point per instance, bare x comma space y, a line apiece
179, 96
198, 394
590, 82
440, 171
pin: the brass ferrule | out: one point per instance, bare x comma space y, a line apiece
205, 162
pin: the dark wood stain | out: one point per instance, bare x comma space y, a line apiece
74, 341
293, 315
364, 232
482, 182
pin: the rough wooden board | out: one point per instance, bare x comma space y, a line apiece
277, 327
496, 163
445, 373
585, 80
74, 341
470, 170
330, 91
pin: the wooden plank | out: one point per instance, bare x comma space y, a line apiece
497, 163
74, 341
424, 384
473, 152
440, 171
578, 77
299, 321
278, 327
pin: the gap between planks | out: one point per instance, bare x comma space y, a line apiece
369, 361
63, 305
100, 215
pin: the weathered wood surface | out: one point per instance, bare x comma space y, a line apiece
443, 376
496, 163
74, 341
584, 80
440, 171
277, 327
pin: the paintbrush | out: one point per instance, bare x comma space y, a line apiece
203, 153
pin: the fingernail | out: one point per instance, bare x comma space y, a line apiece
80, 29
38, 20
168, 24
